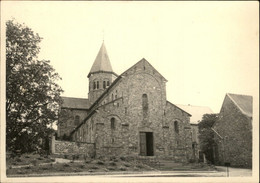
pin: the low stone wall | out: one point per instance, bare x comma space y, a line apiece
68, 147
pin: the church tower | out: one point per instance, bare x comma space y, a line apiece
101, 75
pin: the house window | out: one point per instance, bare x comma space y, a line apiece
104, 84
97, 84
76, 120
176, 127
113, 123
107, 83
145, 105
94, 85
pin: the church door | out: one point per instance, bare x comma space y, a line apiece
146, 144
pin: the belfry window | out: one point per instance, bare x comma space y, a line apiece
176, 126
104, 84
94, 85
113, 123
145, 105
97, 84
107, 83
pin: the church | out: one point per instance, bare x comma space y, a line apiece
127, 114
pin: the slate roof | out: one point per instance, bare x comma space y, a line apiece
102, 62
197, 112
75, 103
243, 102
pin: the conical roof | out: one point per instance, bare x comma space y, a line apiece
102, 62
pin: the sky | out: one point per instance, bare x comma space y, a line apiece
204, 49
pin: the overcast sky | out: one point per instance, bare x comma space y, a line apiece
203, 49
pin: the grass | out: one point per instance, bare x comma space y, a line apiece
33, 161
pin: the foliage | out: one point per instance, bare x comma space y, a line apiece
206, 135
32, 95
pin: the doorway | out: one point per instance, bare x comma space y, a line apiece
146, 144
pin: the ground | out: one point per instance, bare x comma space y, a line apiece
34, 165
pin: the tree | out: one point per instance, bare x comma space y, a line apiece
32, 95
206, 135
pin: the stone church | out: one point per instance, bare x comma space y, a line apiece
127, 114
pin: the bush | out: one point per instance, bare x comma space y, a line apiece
127, 165
18, 160
122, 168
123, 158
94, 167
66, 165
100, 162
112, 163
34, 162
111, 168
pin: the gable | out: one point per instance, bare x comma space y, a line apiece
243, 102
142, 65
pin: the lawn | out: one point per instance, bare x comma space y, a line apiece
36, 164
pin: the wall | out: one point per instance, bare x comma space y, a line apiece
236, 129
126, 108
67, 147
66, 126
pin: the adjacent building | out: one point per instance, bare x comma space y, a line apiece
197, 113
233, 131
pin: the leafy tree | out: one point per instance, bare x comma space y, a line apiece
32, 96
206, 135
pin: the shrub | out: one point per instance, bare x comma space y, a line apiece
34, 162
127, 164
123, 158
66, 165
112, 163
18, 160
94, 167
122, 168
100, 162
111, 168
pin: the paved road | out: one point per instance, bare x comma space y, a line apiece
235, 172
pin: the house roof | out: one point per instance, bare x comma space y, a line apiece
197, 112
102, 62
75, 103
243, 102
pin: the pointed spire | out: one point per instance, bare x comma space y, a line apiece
102, 62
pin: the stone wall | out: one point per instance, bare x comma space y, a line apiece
67, 147
123, 102
236, 129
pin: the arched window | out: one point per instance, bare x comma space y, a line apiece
113, 123
104, 84
116, 95
145, 105
94, 85
97, 84
76, 120
176, 127
107, 83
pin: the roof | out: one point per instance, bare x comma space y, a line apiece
243, 102
179, 108
75, 103
102, 62
197, 112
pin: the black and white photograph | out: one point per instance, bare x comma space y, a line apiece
129, 91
